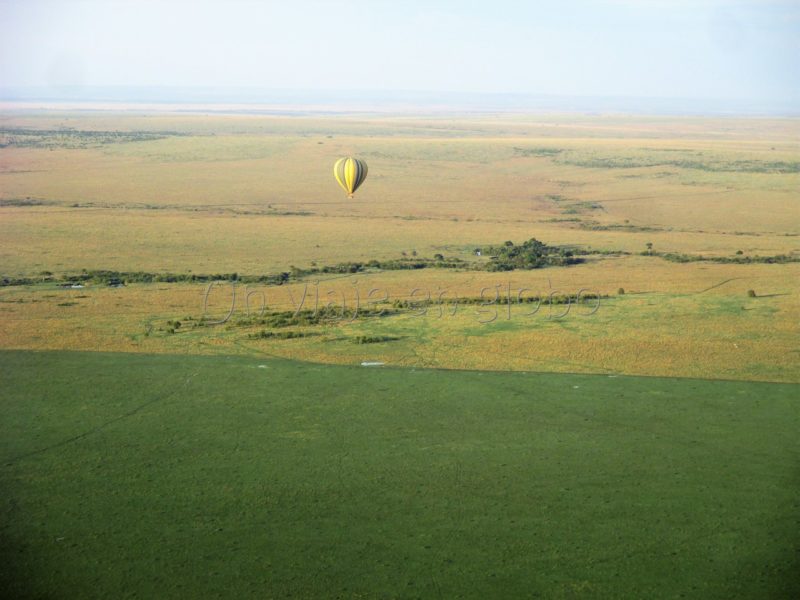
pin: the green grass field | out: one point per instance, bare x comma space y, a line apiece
189, 476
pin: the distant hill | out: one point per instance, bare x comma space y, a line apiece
381, 101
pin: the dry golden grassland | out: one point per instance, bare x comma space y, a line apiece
660, 326
254, 194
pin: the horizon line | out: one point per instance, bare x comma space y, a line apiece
346, 100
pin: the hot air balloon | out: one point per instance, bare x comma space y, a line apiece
350, 173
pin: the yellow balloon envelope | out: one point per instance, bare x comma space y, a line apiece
350, 173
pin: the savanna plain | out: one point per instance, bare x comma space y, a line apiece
535, 355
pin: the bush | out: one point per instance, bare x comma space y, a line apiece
621, 292
281, 335
375, 339
751, 293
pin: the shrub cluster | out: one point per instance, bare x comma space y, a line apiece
738, 259
374, 339
281, 335
532, 254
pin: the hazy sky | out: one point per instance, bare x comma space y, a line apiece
742, 50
